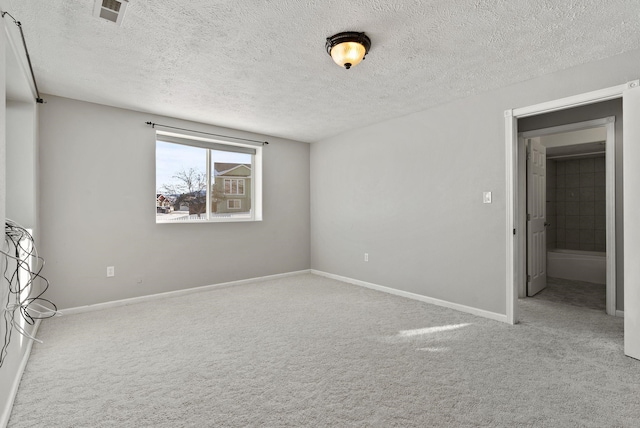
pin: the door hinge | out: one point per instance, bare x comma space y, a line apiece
514, 231
528, 217
528, 278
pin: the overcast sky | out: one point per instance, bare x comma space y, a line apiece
173, 158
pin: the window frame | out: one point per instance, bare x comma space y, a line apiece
255, 214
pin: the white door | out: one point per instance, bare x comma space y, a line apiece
536, 216
631, 172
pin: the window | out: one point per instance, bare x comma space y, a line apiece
234, 204
234, 186
202, 180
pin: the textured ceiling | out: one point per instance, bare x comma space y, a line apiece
260, 65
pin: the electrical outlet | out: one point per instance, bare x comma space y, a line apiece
111, 271
486, 197
366, 257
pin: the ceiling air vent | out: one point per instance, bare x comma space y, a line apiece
111, 10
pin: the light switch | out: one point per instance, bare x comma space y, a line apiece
486, 197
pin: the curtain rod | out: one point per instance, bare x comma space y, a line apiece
153, 125
26, 51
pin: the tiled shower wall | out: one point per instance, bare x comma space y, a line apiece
552, 216
576, 204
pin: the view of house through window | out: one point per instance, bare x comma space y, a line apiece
203, 182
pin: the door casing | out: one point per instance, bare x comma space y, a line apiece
515, 232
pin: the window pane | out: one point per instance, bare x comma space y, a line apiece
231, 182
181, 182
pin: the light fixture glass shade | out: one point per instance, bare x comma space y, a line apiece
348, 49
348, 54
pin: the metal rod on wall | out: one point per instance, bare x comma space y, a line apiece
26, 51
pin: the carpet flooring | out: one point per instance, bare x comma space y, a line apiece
575, 293
311, 351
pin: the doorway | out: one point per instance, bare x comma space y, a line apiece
569, 173
630, 95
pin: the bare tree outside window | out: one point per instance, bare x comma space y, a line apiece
189, 189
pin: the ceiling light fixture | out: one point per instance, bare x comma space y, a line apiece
348, 49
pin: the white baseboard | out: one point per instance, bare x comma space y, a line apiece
6, 411
437, 302
620, 314
176, 293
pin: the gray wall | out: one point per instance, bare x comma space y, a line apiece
445, 243
21, 172
97, 209
581, 114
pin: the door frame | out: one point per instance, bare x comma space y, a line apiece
515, 233
610, 161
